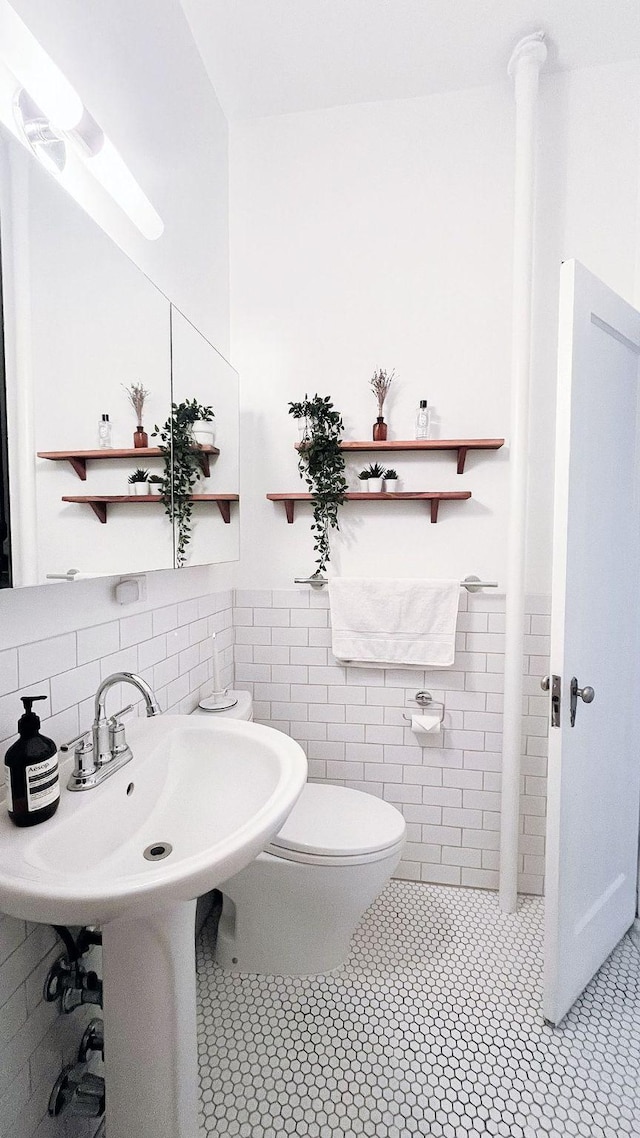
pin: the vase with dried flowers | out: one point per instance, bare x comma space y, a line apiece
380, 384
136, 394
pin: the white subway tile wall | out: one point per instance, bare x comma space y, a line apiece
171, 648
351, 723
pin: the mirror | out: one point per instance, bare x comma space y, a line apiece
82, 324
200, 372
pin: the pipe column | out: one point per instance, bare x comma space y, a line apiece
524, 68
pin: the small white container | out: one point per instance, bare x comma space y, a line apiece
204, 434
138, 488
391, 485
375, 485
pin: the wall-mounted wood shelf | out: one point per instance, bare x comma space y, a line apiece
434, 497
461, 446
79, 458
100, 502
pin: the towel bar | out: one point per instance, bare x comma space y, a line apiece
471, 584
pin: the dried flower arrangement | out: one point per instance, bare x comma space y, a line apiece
136, 394
380, 383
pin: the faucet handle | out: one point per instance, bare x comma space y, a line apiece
118, 743
114, 720
79, 742
84, 764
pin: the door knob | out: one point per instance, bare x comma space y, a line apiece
586, 694
544, 683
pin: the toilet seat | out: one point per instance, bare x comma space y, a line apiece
336, 826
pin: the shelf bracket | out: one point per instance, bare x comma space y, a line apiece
434, 503
79, 465
100, 510
225, 510
290, 509
462, 458
205, 466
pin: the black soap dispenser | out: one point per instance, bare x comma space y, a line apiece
33, 782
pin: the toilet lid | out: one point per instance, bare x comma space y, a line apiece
337, 821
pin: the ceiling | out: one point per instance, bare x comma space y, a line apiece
268, 57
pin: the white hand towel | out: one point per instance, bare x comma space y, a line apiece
391, 622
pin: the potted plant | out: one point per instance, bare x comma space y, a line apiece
380, 383
137, 394
138, 481
374, 477
204, 432
181, 467
321, 464
155, 484
391, 476
363, 477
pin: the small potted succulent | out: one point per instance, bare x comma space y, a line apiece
138, 481
155, 483
373, 476
391, 481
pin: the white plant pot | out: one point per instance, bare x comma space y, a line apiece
362, 485
204, 433
375, 485
391, 485
138, 488
154, 488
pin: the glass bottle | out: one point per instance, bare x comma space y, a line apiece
104, 433
379, 430
140, 437
423, 421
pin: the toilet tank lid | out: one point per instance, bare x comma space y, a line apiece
335, 820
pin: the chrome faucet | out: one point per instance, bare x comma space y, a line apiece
102, 749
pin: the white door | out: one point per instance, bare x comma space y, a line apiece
594, 766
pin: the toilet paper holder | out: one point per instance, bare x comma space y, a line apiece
425, 699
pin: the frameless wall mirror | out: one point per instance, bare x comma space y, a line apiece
82, 325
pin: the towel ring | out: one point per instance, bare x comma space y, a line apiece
425, 699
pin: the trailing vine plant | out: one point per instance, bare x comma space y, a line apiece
181, 468
321, 464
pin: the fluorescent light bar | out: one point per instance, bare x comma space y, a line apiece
113, 173
62, 112
35, 71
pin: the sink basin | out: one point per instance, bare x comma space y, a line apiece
214, 792
201, 798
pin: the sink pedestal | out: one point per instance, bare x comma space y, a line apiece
151, 1057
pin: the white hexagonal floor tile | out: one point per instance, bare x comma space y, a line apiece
433, 1027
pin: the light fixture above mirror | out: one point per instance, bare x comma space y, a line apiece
51, 118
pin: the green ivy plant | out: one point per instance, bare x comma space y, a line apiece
321, 464
181, 467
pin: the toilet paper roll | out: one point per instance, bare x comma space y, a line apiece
427, 723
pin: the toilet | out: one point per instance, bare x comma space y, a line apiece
294, 909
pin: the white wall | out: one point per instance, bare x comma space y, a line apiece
380, 236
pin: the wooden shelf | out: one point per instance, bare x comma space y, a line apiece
100, 502
434, 497
462, 446
79, 458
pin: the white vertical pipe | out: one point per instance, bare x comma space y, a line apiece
524, 69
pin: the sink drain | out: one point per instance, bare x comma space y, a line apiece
157, 851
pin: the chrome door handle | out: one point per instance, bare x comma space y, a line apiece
586, 694
544, 683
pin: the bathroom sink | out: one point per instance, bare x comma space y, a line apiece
200, 798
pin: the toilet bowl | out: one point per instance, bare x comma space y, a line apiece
294, 909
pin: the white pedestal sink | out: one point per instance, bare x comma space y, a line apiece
202, 799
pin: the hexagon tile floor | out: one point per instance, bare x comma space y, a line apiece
432, 1028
